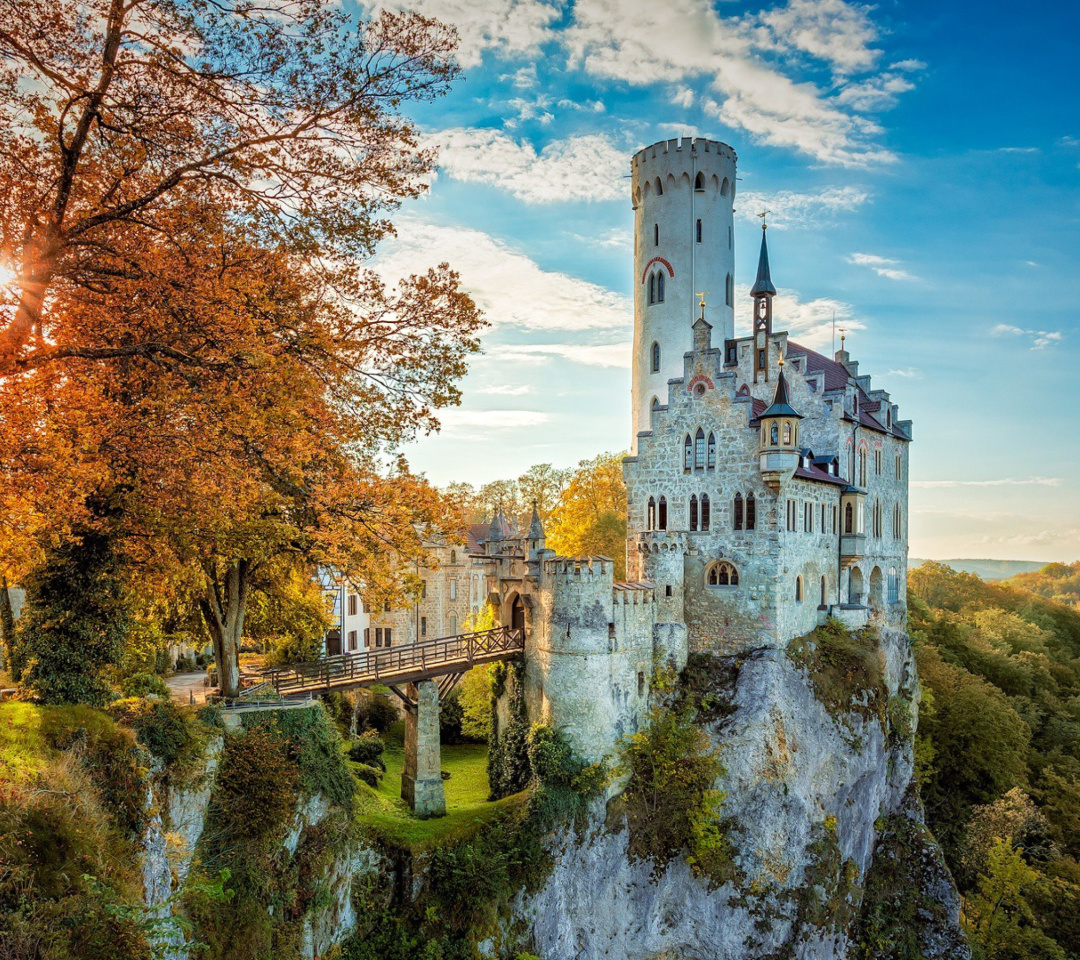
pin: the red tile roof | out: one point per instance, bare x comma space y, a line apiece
836, 375
475, 535
816, 473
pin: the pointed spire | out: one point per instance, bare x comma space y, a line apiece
763, 283
495, 531
781, 404
536, 528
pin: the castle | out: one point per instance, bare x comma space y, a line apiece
767, 486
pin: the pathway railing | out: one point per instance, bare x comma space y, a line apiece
404, 664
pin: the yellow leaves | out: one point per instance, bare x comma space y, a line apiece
590, 517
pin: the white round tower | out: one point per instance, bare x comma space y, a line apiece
684, 243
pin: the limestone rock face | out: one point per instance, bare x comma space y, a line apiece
804, 791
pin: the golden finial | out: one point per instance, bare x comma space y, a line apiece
701, 303
843, 334
763, 215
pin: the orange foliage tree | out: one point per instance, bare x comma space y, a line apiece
187, 194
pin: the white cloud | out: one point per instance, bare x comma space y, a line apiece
506, 27
683, 97
684, 41
910, 373
874, 93
588, 355
882, 266
810, 322
456, 418
910, 66
787, 208
837, 32
576, 169
504, 390
509, 287
1003, 482
1039, 339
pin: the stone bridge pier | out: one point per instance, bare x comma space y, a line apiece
421, 779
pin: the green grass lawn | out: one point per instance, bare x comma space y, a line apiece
467, 804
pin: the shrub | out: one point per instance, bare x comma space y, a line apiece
368, 774
368, 749
170, 732
145, 685
847, 670
376, 712
669, 802
186, 665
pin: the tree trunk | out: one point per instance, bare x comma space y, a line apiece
7, 630
223, 608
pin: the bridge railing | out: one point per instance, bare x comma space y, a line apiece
406, 663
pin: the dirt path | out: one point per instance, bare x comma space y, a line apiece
183, 685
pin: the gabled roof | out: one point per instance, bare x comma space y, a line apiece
836, 375
781, 406
819, 475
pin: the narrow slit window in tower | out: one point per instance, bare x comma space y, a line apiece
738, 511
651, 520
656, 235
652, 288
661, 513
698, 232
705, 511
699, 450
729, 292
712, 451
688, 454
693, 511
751, 512
656, 358
660, 286
699, 182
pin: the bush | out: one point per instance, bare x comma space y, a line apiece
145, 685
376, 712
186, 664
171, 733
368, 774
368, 750
847, 670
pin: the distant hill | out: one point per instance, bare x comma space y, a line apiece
987, 569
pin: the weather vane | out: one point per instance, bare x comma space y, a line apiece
701, 302
843, 334
763, 215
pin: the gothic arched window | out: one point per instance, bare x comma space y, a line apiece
729, 291
661, 513
705, 511
824, 592
699, 182
787, 433
849, 519
751, 512
656, 358
722, 574
712, 452
453, 556
693, 511
650, 522
738, 511
659, 286
798, 589
862, 466
774, 435
894, 586
699, 449
688, 454
652, 288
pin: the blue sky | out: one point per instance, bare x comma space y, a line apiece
922, 164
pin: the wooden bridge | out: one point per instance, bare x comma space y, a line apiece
448, 657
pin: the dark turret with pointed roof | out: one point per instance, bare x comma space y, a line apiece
781, 405
763, 284
536, 528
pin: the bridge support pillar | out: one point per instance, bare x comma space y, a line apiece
421, 779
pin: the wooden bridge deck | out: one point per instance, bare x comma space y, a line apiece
409, 663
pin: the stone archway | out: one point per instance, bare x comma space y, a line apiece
517, 613
877, 590
855, 587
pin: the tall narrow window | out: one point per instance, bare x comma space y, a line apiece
652, 410
751, 512
659, 286
705, 511
688, 454
699, 450
652, 288
862, 467
693, 512
656, 358
899, 469
661, 514
849, 519
453, 589
894, 586
651, 519
823, 592
729, 291
423, 626
787, 433
656, 235
877, 463
712, 452
730, 237
798, 589
352, 604
738, 511
698, 233
699, 182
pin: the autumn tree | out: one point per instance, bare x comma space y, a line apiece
187, 195
542, 485
590, 516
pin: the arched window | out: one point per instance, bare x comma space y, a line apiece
659, 286
693, 512
774, 435
751, 512
661, 513
656, 358
862, 466
897, 523
729, 291
699, 449
738, 511
654, 407
652, 288
656, 234
659, 188
722, 574
688, 454
877, 463
650, 521
711, 463
894, 586
824, 593
849, 519
699, 182
787, 433
725, 187
453, 556
705, 511
798, 589
899, 468
851, 464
